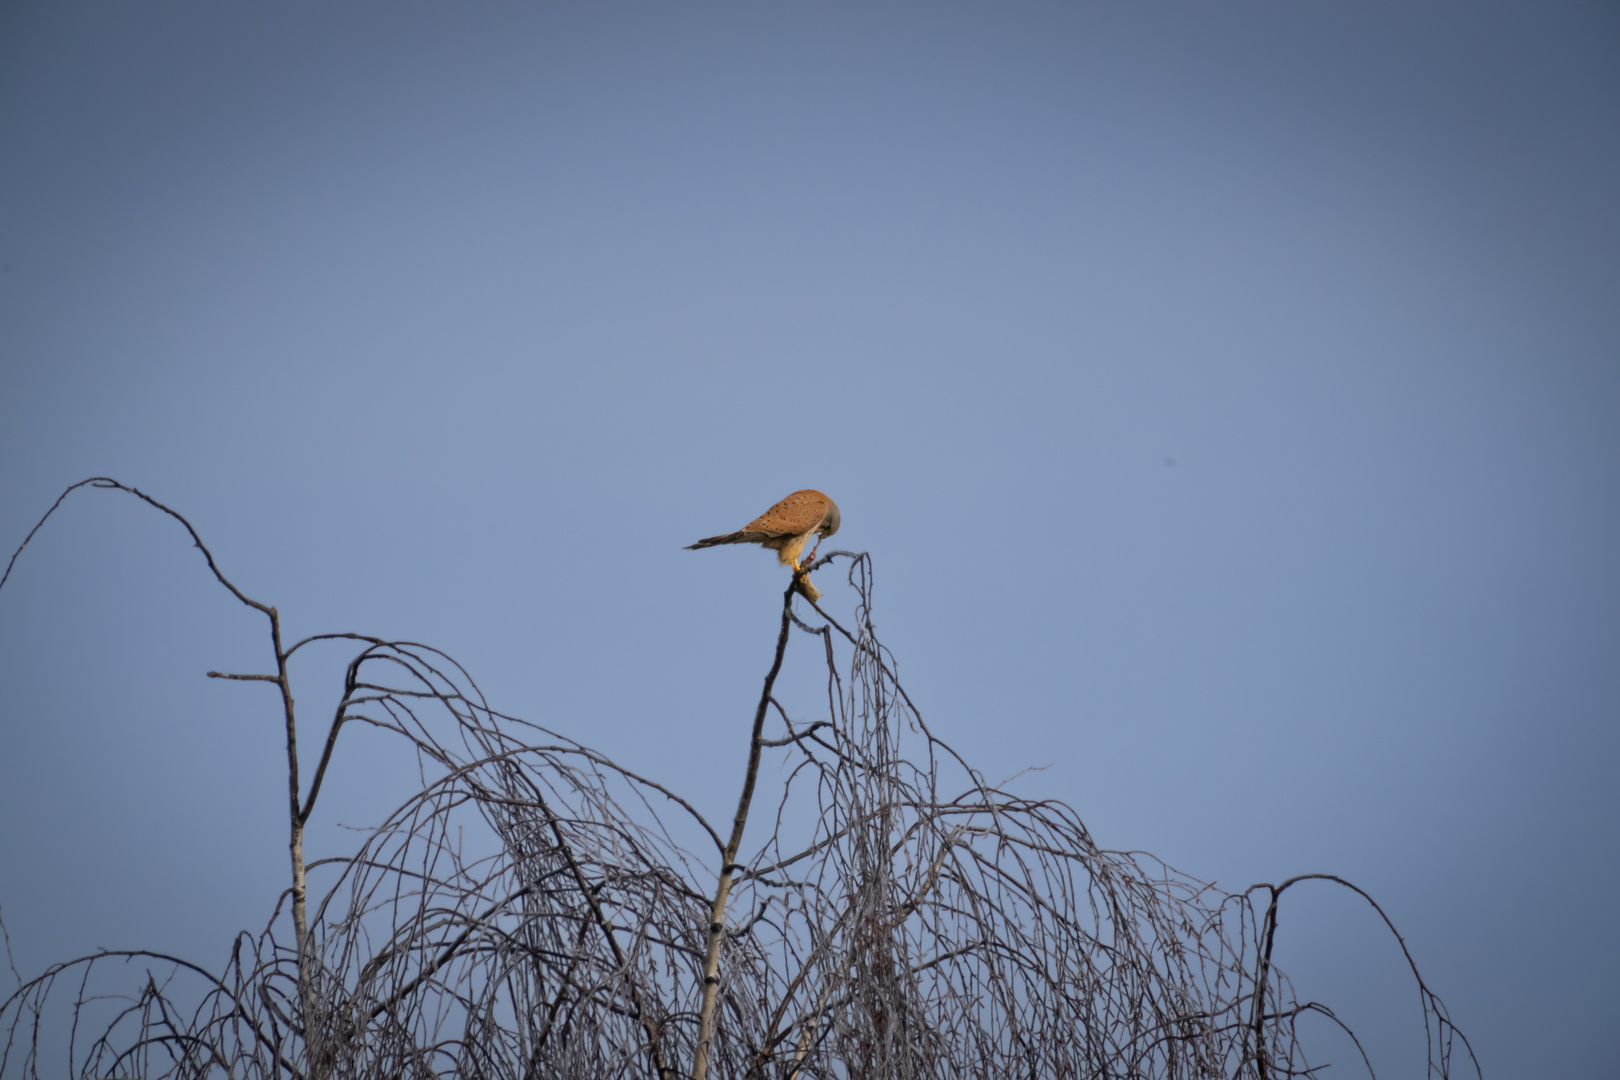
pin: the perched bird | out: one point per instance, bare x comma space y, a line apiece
785, 527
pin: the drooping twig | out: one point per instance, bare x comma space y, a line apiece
528, 911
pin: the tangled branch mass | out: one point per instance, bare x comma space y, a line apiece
537, 910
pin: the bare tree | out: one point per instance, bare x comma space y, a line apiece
880, 912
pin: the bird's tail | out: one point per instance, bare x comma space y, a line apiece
728, 538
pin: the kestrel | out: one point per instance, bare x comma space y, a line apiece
785, 527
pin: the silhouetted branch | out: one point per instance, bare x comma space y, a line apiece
530, 911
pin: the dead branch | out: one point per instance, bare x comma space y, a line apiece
531, 911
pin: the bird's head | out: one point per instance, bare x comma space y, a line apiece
829, 524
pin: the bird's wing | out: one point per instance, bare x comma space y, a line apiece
795, 515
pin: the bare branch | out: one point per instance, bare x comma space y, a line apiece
530, 911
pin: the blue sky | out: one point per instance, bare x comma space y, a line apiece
1228, 395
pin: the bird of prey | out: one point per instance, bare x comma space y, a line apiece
785, 527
